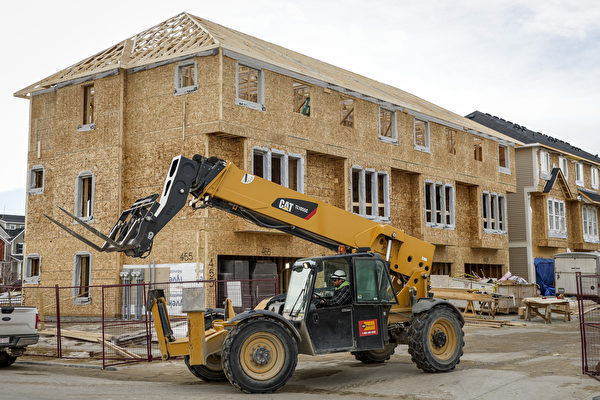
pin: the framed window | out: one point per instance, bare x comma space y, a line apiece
564, 166
82, 277
579, 174
186, 77
301, 98
484, 270
88, 104
285, 169
493, 212
84, 195
421, 131
387, 125
544, 164
439, 205
589, 217
249, 87
19, 248
478, 149
33, 268
594, 177
451, 141
36, 179
370, 193
557, 224
347, 112
503, 159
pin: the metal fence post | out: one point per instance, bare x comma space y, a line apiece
58, 335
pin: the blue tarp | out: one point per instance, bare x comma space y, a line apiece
544, 276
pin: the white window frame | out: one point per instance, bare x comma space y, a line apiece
440, 208
544, 164
179, 89
497, 203
504, 170
594, 177
77, 276
362, 193
260, 105
285, 157
589, 222
394, 138
32, 171
579, 180
78, 194
427, 146
27, 277
557, 222
563, 161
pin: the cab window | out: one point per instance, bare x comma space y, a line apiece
373, 284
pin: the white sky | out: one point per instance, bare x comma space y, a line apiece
535, 63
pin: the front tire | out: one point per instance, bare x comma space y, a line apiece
436, 339
6, 359
375, 356
259, 355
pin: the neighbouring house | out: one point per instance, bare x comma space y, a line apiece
12, 233
104, 131
555, 207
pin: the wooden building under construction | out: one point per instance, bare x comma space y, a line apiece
103, 133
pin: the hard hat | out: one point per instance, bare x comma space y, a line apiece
339, 274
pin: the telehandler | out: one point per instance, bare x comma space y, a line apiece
257, 350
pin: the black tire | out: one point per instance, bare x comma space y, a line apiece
6, 359
375, 356
259, 355
212, 371
436, 339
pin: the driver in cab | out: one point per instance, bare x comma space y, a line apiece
342, 294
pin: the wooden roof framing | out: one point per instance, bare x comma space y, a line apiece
187, 34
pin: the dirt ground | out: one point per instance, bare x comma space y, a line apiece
538, 361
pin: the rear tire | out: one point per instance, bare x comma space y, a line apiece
6, 359
259, 355
375, 356
436, 339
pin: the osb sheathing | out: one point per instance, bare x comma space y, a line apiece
158, 125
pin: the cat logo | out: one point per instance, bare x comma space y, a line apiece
300, 208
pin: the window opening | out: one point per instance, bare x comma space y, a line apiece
88, 104
276, 160
579, 174
503, 159
258, 161
590, 223
186, 76
33, 268
478, 150
82, 276
370, 193
356, 174
293, 173
278, 167
438, 268
36, 180
484, 270
544, 163
421, 130
248, 83
439, 205
557, 226
347, 112
381, 194
386, 123
301, 98
451, 141
85, 195
564, 166
594, 176
493, 213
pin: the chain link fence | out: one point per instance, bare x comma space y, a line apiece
588, 299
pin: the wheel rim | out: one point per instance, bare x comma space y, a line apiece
262, 356
442, 339
213, 362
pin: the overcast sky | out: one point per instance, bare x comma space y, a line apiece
535, 63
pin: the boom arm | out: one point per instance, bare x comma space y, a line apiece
218, 183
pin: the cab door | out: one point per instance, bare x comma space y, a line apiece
374, 294
330, 329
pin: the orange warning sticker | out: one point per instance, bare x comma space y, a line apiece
368, 327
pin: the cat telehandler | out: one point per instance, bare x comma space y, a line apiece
257, 350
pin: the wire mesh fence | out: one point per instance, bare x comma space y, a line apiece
111, 323
588, 298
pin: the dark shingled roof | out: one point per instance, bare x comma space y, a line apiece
593, 196
13, 233
525, 135
12, 219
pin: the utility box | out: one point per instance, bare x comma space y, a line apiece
566, 265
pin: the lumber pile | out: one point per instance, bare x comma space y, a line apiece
92, 337
489, 323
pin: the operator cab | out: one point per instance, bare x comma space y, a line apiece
357, 326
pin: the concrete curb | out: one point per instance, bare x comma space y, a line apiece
58, 364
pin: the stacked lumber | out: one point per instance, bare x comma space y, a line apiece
92, 337
491, 323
